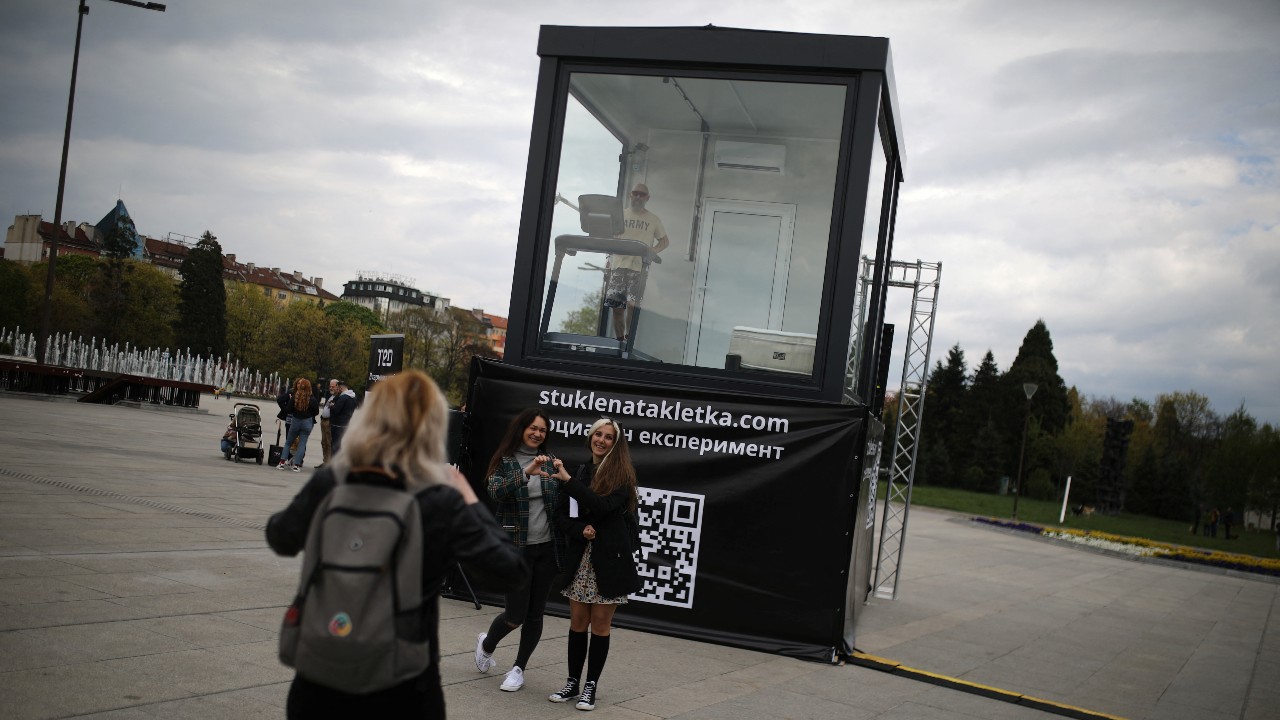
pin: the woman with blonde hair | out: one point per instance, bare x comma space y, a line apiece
398, 440
600, 556
301, 407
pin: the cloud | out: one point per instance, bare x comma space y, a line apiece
1107, 166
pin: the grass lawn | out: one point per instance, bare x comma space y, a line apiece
1250, 542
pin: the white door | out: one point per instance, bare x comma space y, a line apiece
740, 276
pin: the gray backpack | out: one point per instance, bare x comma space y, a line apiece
357, 624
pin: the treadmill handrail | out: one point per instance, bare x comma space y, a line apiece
570, 244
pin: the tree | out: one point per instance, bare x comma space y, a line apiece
249, 315
349, 312
111, 298
295, 341
462, 339
1035, 363
121, 243
71, 310
942, 424
1077, 450
424, 330
202, 310
150, 303
15, 296
586, 319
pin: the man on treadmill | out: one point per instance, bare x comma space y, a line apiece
624, 291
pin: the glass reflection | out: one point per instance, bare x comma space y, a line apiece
692, 220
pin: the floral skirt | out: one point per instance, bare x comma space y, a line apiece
583, 588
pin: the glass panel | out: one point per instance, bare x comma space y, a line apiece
714, 252
859, 343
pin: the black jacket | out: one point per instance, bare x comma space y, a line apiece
341, 409
285, 401
453, 532
611, 550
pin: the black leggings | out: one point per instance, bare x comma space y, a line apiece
526, 604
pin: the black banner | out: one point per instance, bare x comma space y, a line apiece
750, 507
386, 357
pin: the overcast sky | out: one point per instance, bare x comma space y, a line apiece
1108, 166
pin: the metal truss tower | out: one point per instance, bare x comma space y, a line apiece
923, 278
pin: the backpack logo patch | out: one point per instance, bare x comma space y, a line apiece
340, 625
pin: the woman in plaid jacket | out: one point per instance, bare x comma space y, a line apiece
521, 482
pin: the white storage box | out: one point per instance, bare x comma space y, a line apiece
773, 350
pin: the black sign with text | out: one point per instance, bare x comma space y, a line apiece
386, 357
749, 506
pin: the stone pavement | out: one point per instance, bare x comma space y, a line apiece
135, 583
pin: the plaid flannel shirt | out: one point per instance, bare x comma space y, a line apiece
508, 487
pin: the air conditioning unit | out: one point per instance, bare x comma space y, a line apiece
756, 157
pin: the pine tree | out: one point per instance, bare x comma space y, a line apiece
1048, 406
202, 308
945, 404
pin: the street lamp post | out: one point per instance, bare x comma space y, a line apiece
1029, 389
42, 337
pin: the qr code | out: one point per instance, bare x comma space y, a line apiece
670, 531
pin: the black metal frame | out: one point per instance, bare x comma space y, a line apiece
863, 63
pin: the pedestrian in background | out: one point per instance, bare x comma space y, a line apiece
326, 431
301, 406
341, 408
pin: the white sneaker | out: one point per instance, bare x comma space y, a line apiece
484, 660
587, 700
514, 680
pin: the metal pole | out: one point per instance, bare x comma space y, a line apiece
1017, 489
45, 316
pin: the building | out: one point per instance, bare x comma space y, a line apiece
496, 330
29, 237
283, 287
387, 294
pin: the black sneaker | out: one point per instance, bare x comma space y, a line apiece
569, 692
587, 701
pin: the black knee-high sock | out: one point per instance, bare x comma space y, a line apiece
595, 658
530, 634
498, 629
577, 653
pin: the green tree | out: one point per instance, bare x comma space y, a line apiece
461, 339
110, 294
349, 312
1077, 450
202, 310
1035, 363
15, 296
295, 341
943, 422
71, 310
586, 319
249, 315
150, 303
424, 332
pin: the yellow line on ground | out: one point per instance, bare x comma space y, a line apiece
876, 662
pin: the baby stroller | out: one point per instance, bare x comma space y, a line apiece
246, 432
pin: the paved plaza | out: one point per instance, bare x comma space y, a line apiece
135, 583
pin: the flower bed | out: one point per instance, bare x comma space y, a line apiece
1142, 547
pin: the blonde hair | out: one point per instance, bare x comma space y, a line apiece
404, 422
615, 469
